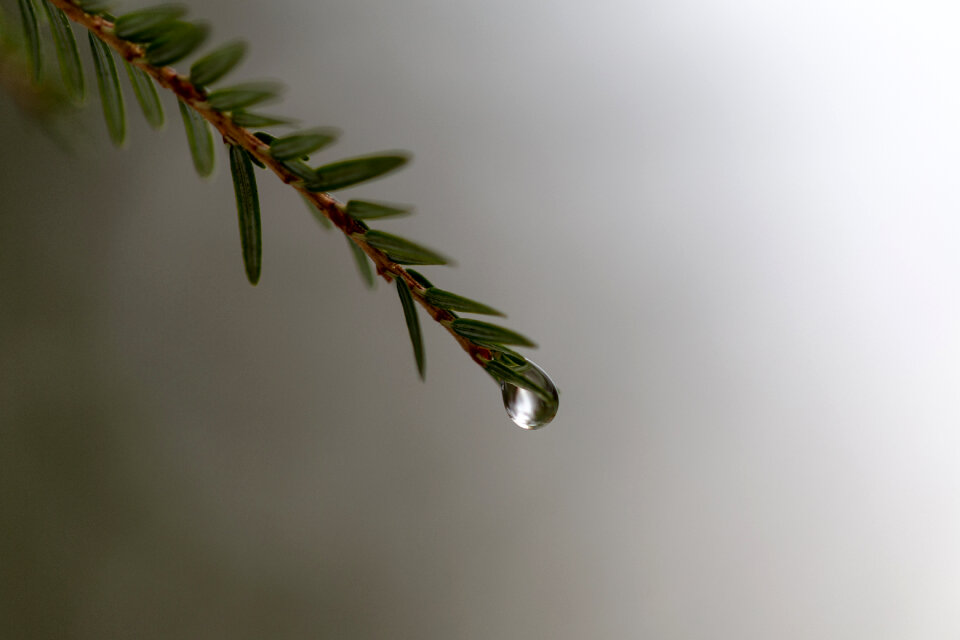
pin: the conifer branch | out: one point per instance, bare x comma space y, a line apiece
149, 41
196, 98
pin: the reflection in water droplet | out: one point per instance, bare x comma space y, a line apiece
527, 409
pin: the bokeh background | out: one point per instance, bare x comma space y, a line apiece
731, 226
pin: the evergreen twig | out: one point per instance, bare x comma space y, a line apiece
168, 78
150, 40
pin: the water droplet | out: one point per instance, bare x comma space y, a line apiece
527, 409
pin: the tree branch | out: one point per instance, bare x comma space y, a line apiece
195, 98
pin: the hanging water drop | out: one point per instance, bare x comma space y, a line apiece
527, 409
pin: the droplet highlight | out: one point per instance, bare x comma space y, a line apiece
527, 409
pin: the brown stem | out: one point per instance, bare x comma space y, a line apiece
194, 97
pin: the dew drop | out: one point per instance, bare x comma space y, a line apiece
527, 409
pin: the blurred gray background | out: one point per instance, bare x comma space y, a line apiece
731, 226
